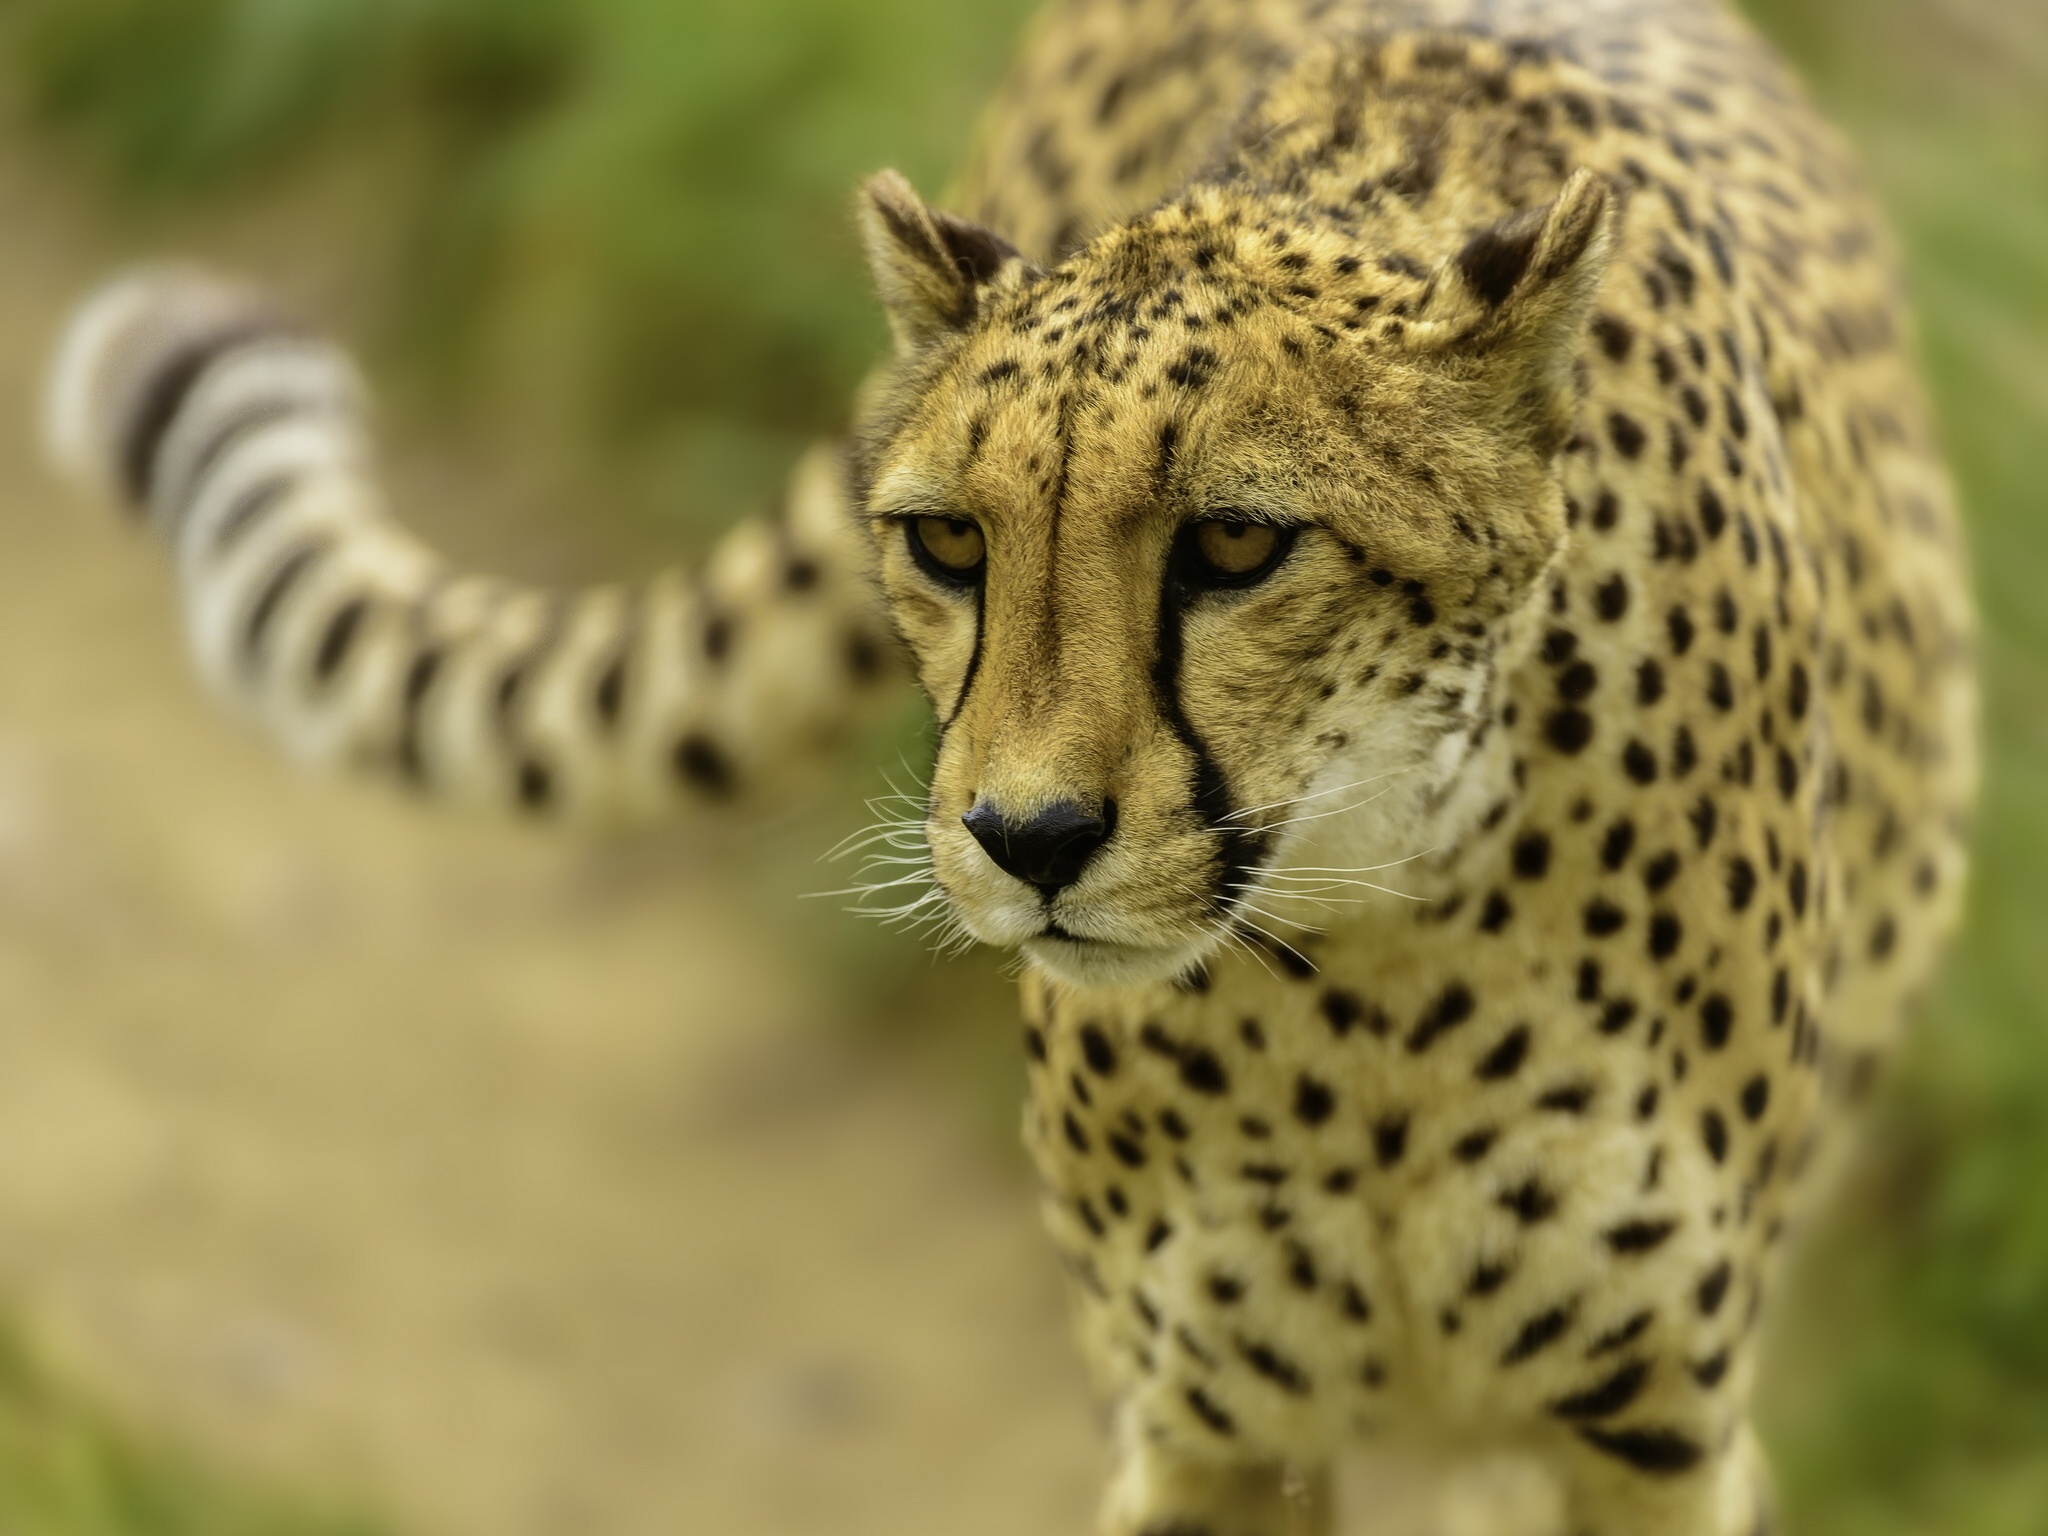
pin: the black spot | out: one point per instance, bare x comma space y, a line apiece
1713, 515
1610, 599
1532, 855
1572, 1099
1661, 871
1498, 913
1275, 1367
1756, 1098
1705, 817
536, 786
1453, 1008
1717, 1021
1589, 980
1639, 762
1488, 1278
718, 638
1627, 435
1538, 1334
1609, 1397
1207, 1411
1097, 1051
1662, 1452
1710, 1372
1640, 1237
1618, 844
1471, 1148
1714, 1133
1616, 337
1390, 1140
1604, 918
1741, 883
1649, 683
1347, 1011
1666, 933
1720, 687
1313, 1101
1622, 1337
1201, 1071
1578, 681
1569, 730
1713, 1290
1788, 774
1506, 1058
1530, 1202
700, 763
1680, 624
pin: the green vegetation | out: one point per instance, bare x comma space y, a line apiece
1915, 1393
66, 1471
674, 182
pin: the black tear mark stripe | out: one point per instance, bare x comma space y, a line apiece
1239, 849
973, 661
164, 395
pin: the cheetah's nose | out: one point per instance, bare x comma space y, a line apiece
1050, 849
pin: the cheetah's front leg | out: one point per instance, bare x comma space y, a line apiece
1161, 1491
1727, 1495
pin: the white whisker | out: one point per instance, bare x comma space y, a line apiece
1321, 794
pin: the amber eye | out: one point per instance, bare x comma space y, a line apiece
1224, 552
950, 548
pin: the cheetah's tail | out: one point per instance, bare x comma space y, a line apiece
241, 440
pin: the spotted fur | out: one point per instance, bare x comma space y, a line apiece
1506, 894
1486, 918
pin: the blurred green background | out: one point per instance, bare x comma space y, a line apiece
622, 225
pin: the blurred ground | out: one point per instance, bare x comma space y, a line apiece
511, 1185
510, 1180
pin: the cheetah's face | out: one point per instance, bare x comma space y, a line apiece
1209, 598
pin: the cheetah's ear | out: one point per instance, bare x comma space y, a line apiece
1508, 309
930, 267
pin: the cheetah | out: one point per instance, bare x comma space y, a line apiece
1451, 652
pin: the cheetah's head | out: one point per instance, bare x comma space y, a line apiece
1210, 545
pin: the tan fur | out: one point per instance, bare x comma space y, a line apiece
1584, 790
1504, 897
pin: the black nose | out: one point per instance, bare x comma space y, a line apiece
1050, 849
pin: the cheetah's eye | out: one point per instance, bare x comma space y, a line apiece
950, 548
1225, 552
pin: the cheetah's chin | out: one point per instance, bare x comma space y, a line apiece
1089, 963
